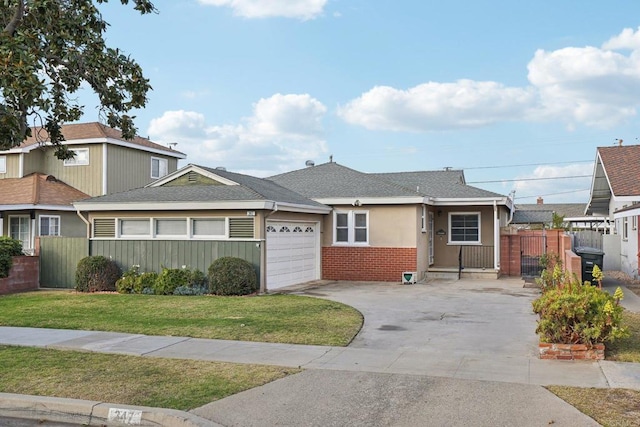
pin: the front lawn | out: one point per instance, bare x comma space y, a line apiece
270, 318
129, 380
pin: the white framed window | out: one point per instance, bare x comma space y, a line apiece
19, 229
209, 227
81, 157
159, 167
170, 227
625, 228
464, 228
138, 227
3, 164
351, 227
423, 219
49, 225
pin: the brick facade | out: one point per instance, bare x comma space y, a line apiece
23, 276
511, 250
367, 263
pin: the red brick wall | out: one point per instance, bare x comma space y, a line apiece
510, 248
367, 263
23, 276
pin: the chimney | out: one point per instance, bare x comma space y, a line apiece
619, 142
540, 200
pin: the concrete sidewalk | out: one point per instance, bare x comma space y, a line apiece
520, 370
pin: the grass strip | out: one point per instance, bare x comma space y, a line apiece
269, 318
611, 407
626, 349
131, 380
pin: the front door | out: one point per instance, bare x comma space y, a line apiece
19, 230
430, 237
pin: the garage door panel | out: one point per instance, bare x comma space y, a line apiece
292, 253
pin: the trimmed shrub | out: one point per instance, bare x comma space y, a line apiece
97, 273
198, 279
575, 313
8, 248
232, 276
170, 279
127, 283
134, 282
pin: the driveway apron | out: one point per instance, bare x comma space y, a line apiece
463, 318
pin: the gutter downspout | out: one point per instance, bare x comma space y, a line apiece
263, 250
86, 221
496, 237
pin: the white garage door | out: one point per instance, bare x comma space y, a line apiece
292, 253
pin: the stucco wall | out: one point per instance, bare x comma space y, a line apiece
446, 254
389, 226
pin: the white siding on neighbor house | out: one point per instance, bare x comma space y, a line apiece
628, 243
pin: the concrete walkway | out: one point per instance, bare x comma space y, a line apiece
415, 383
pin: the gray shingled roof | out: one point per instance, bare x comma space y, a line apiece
248, 189
331, 180
443, 184
532, 217
569, 210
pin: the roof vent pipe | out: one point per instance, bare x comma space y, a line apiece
309, 163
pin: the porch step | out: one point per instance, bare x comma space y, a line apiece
442, 274
467, 273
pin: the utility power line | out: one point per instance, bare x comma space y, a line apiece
552, 194
530, 179
524, 164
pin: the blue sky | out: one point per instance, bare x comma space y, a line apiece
511, 92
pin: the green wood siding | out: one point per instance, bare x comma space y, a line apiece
86, 178
128, 168
33, 161
191, 178
152, 255
59, 258
13, 166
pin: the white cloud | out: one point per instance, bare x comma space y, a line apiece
594, 86
436, 106
532, 184
299, 9
283, 132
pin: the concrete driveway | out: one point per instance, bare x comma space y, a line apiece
466, 317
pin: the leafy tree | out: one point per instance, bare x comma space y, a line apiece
48, 48
557, 221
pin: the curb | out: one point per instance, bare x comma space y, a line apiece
92, 413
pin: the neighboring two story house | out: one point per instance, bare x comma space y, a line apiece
37, 189
615, 193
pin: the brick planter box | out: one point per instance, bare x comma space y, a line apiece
571, 351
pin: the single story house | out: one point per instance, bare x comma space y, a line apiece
540, 215
319, 222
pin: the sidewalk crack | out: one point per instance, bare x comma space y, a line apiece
166, 346
317, 358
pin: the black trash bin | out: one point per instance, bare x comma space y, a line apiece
590, 257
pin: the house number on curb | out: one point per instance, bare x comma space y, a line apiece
125, 416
